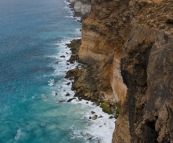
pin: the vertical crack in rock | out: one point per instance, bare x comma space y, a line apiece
127, 48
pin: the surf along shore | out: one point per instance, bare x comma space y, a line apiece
85, 77
102, 124
127, 48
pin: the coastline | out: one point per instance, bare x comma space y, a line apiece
102, 119
85, 86
97, 126
100, 124
80, 9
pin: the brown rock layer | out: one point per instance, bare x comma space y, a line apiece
128, 48
103, 35
146, 66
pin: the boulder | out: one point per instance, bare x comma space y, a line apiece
77, 6
86, 8
69, 100
94, 117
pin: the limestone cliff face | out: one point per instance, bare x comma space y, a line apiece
128, 46
146, 69
103, 34
81, 8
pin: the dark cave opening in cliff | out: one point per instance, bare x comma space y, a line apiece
150, 134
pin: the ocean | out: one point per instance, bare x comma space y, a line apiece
33, 64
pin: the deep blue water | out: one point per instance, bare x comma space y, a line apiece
32, 40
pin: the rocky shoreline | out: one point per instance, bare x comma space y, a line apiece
86, 77
127, 53
85, 85
80, 8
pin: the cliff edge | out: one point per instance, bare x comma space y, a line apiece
146, 66
127, 46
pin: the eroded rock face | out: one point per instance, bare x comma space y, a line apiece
103, 35
86, 8
77, 6
146, 68
128, 48
117, 84
90, 51
146, 116
133, 65
159, 107
81, 8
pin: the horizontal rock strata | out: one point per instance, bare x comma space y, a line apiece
127, 48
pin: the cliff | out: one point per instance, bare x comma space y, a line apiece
147, 113
127, 46
81, 8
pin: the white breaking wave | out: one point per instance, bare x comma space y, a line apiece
51, 82
99, 130
17, 136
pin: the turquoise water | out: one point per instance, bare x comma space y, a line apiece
32, 84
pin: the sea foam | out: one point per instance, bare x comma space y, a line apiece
18, 133
99, 130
